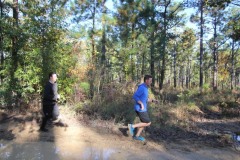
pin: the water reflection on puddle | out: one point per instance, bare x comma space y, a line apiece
49, 151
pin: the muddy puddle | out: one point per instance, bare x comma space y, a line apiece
10, 150
50, 151
67, 151
73, 143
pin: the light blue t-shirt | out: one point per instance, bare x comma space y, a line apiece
142, 95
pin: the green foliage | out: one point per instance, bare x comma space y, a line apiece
40, 49
206, 86
85, 86
4, 95
233, 25
28, 80
218, 3
186, 96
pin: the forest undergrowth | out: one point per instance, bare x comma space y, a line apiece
182, 116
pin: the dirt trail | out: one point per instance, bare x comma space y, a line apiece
20, 139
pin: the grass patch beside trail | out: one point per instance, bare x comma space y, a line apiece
179, 115
175, 107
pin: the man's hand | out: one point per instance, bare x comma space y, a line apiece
58, 96
141, 105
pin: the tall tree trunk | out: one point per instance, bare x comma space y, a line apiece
215, 56
14, 45
237, 79
201, 47
164, 46
103, 51
207, 76
14, 56
174, 69
179, 76
158, 72
1, 42
233, 73
45, 59
188, 70
143, 64
137, 65
182, 76
94, 59
103, 57
170, 74
152, 60
132, 55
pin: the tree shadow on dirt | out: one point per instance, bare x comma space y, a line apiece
219, 127
5, 133
184, 139
223, 110
27, 125
124, 131
211, 134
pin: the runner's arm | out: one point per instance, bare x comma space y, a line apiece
137, 96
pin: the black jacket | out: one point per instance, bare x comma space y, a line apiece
50, 94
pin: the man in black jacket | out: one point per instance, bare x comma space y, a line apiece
50, 97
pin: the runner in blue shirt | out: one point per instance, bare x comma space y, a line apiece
141, 99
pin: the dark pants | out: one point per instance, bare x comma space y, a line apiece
49, 112
144, 117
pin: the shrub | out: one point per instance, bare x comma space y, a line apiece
114, 102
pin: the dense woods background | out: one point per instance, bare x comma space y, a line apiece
102, 49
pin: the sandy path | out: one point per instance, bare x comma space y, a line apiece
22, 140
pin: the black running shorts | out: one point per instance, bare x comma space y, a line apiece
144, 117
